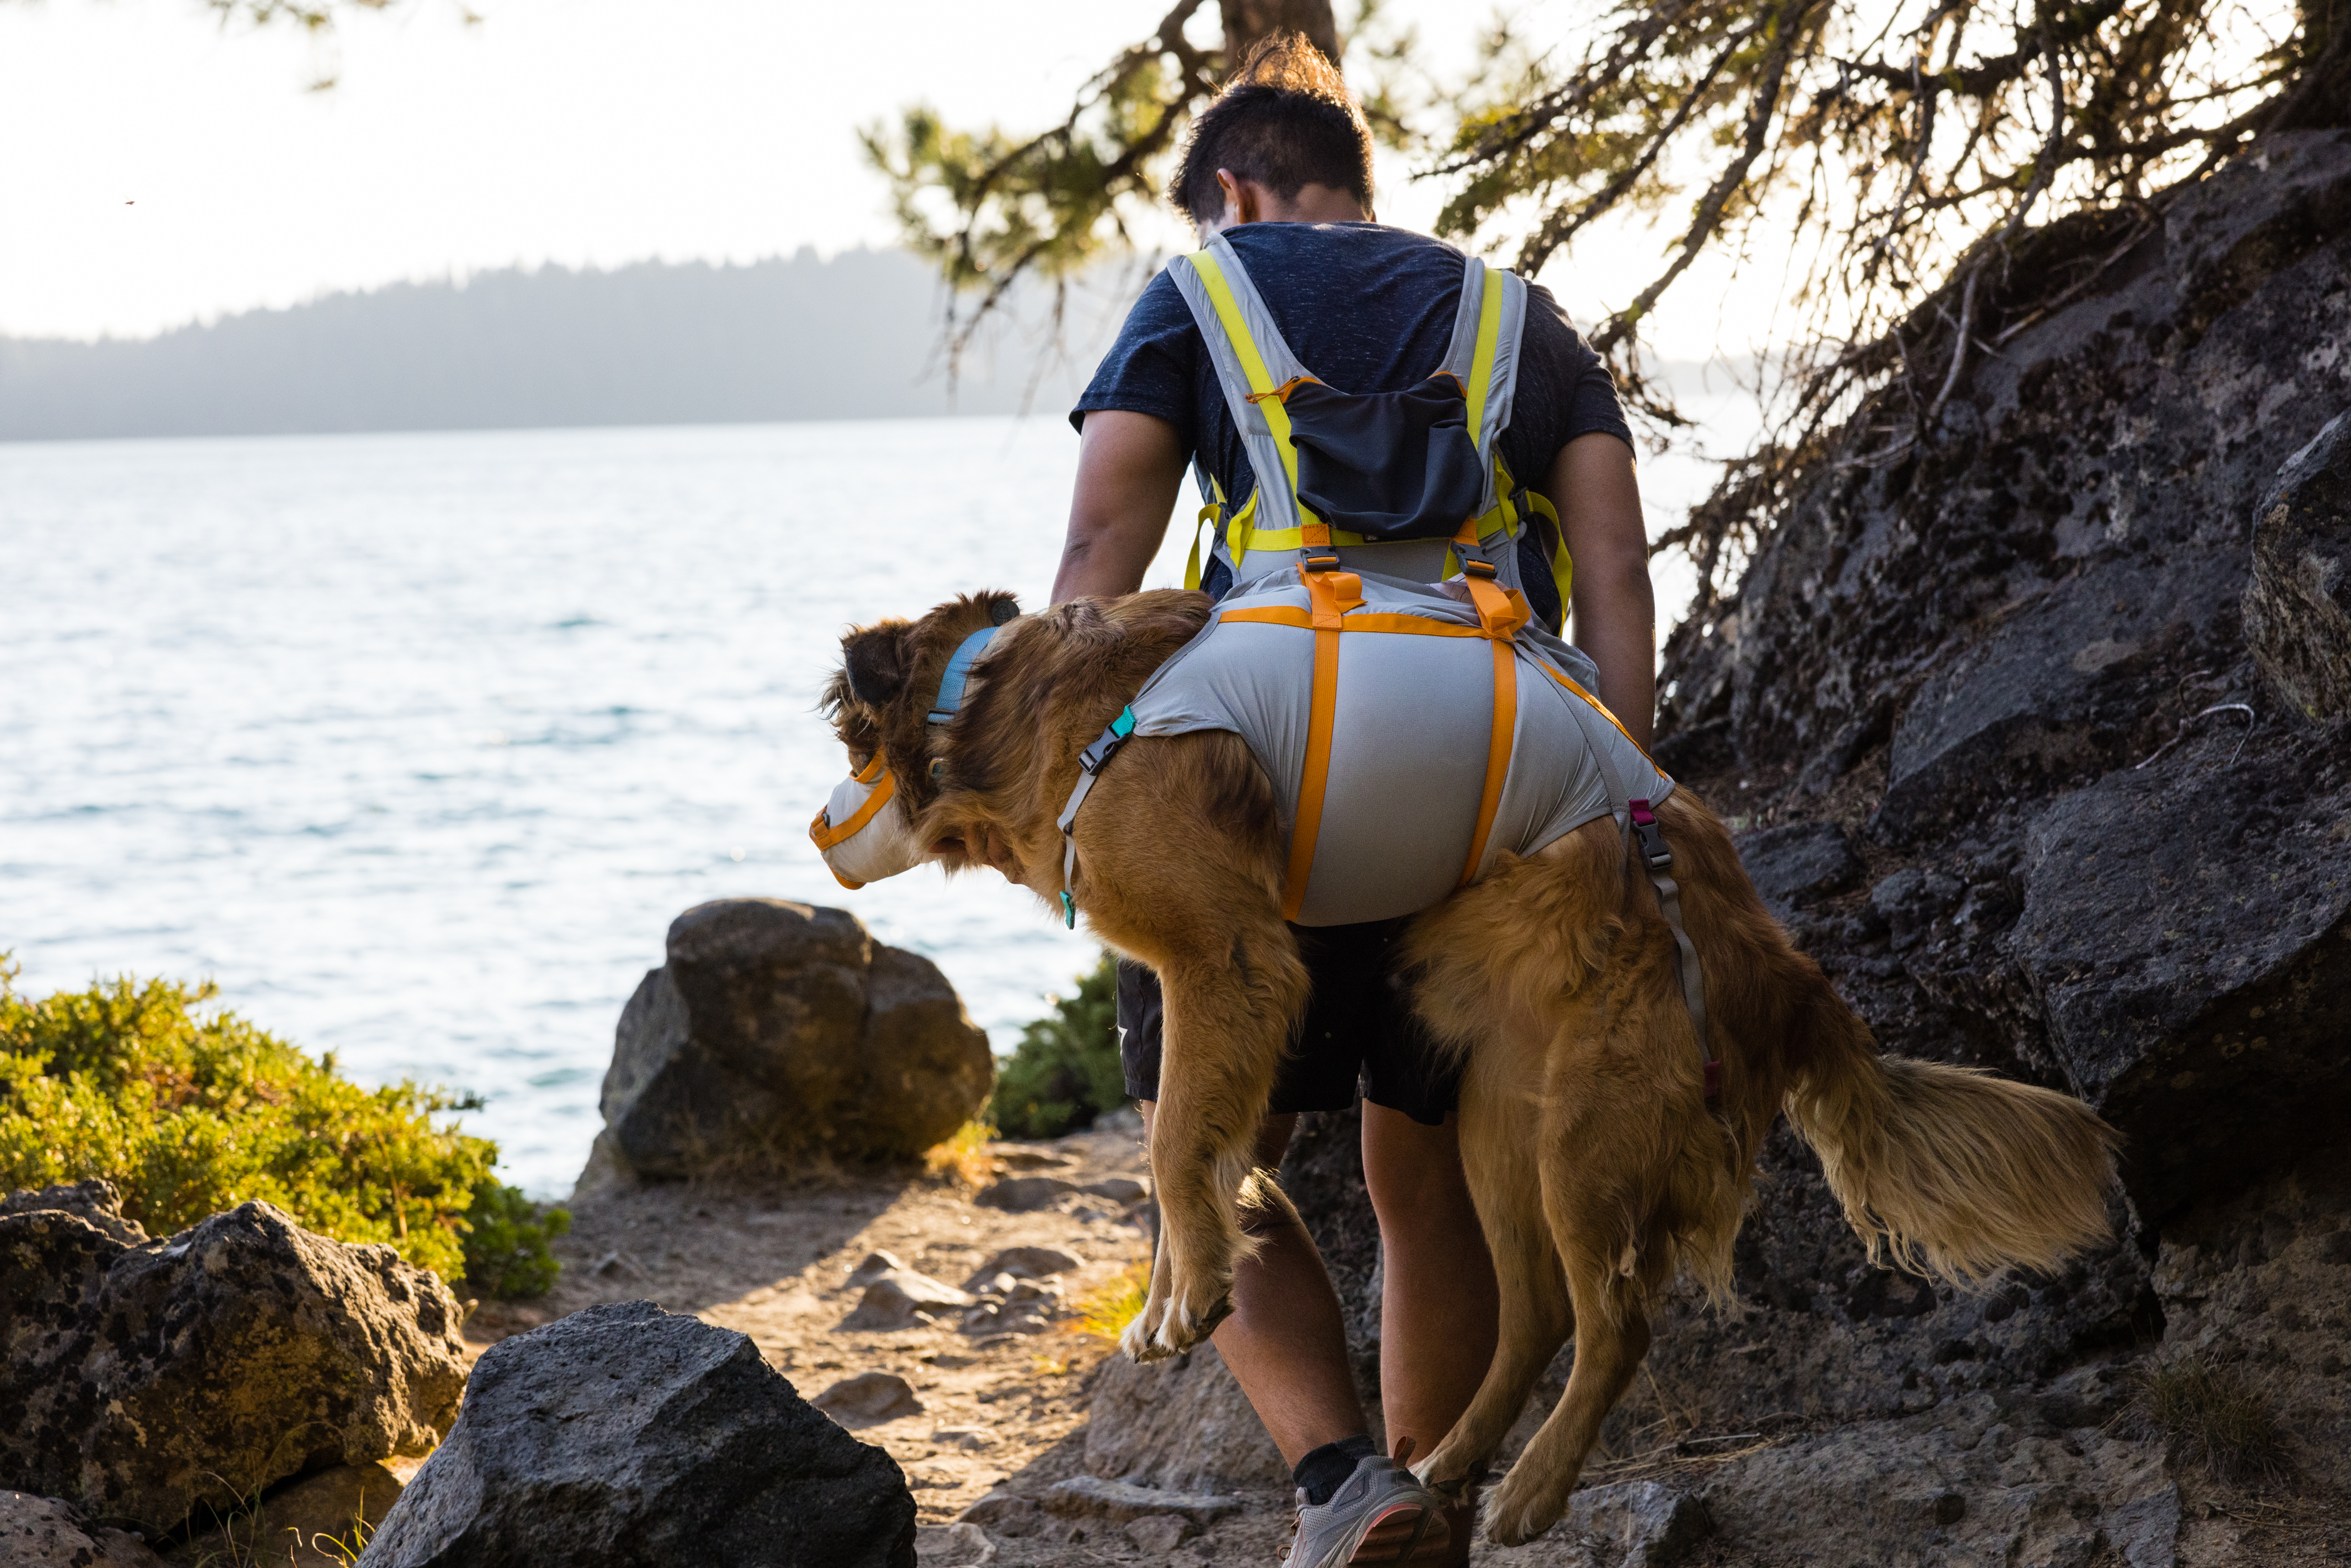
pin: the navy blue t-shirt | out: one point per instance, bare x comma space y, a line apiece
1368, 309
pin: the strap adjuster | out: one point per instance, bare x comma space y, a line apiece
1655, 853
1321, 563
1105, 745
1474, 567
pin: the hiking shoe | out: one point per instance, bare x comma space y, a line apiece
1380, 1514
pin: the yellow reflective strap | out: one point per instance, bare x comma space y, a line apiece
1192, 565
1562, 565
1481, 364
1277, 418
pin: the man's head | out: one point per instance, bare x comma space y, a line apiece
1283, 141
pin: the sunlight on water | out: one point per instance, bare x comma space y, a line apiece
417, 743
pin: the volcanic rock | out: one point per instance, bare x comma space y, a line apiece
903, 1299
1025, 1263
631, 1438
2298, 605
44, 1532
143, 1379
868, 1398
1182, 1423
1091, 1497
780, 1036
1024, 1195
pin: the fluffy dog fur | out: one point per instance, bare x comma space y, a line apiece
1598, 1168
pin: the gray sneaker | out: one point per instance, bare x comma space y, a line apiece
1380, 1514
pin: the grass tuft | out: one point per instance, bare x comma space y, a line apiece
1105, 1312
962, 1159
2216, 1415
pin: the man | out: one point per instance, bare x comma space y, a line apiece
1281, 165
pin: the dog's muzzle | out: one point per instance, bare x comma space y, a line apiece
863, 831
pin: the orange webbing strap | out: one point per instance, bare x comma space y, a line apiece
1290, 615
1334, 593
1498, 752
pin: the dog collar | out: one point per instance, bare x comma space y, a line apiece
950, 697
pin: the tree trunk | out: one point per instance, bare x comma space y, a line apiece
1247, 21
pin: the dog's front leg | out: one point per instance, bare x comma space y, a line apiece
1225, 1023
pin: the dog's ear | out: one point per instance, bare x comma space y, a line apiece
1001, 608
874, 660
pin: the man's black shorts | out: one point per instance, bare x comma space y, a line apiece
1359, 1025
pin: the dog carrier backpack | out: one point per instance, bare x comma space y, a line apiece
1374, 651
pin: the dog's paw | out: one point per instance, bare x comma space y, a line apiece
1181, 1317
1516, 1513
1136, 1340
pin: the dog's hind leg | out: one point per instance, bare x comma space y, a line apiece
1612, 1335
1607, 1151
1499, 1135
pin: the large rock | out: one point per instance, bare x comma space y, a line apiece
2298, 604
780, 1036
2188, 929
142, 1378
46, 1532
1182, 1425
631, 1438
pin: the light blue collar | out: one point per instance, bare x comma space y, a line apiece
950, 697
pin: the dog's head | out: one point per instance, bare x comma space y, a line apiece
880, 701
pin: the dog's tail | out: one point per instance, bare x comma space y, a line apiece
1952, 1171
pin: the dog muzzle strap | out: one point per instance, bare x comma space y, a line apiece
863, 832
1090, 766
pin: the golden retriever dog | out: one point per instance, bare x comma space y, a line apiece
1598, 1164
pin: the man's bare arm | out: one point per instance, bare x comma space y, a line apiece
1129, 467
1599, 501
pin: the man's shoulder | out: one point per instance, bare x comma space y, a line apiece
1338, 242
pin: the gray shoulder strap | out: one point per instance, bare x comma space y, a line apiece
1501, 377
1253, 358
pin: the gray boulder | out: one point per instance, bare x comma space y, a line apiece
2298, 605
143, 1379
96, 1201
2188, 931
1183, 1425
780, 1036
631, 1438
46, 1532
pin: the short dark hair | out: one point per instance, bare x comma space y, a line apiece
1285, 120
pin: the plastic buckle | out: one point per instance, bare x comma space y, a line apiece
1321, 563
1655, 853
1105, 745
1479, 569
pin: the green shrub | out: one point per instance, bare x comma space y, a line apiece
191, 1111
506, 1243
1065, 1071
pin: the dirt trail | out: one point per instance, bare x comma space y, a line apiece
773, 1261
999, 1410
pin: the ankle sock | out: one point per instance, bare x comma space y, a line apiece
1326, 1469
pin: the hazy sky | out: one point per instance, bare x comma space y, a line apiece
155, 168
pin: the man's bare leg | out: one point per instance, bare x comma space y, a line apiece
1286, 1342
1439, 1309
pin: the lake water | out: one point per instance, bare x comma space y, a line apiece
416, 743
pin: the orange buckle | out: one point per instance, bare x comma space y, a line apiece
1321, 563
1478, 568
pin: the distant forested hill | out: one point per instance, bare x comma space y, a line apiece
855, 337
